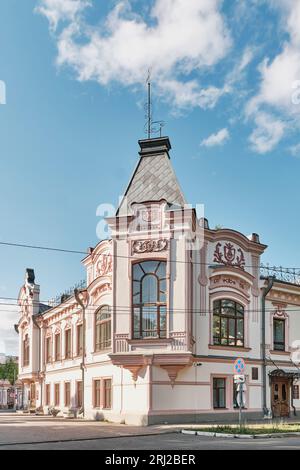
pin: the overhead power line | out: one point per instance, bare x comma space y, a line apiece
86, 253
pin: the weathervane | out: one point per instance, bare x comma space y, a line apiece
151, 127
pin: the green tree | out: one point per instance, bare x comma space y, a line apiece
9, 371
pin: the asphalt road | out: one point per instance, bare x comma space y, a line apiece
42, 433
170, 441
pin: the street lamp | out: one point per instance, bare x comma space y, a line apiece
82, 298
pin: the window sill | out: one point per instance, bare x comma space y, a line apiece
103, 351
137, 341
229, 348
280, 353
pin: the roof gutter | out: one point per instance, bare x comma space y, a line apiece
266, 290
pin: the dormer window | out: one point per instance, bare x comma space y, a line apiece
149, 300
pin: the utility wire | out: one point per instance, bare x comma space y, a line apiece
86, 253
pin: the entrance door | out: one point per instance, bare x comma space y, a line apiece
280, 397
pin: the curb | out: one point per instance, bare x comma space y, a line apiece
240, 436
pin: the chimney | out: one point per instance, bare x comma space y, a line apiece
155, 146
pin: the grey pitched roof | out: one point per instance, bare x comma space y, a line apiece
154, 178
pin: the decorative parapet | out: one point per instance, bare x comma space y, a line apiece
292, 276
121, 343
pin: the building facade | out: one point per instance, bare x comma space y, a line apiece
169, 305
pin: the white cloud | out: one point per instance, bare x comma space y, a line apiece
61, 10
216, 139
268, 132
295, 150
279, 78
8, 337
182, 37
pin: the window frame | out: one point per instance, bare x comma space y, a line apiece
107, 403
48, 350
159, 305
238, 307
217, 389
79, 339
277, 344
68, 352
97, 393
67, 400
79, 403
47, 394
57, 353
26, 350
106, 326
57, 394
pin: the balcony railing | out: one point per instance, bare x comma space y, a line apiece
291, 276
67, 293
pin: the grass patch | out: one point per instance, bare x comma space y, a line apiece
253, 429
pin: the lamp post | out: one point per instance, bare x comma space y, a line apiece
82, 298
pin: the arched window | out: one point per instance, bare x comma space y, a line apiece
103, 328
228, 323
149, 299
26, 351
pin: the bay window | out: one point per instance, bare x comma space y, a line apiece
149, 299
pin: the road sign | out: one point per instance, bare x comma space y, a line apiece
239, 366
239, 379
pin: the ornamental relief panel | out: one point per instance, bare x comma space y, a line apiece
149, 246
229, 255
104, 264
230, 281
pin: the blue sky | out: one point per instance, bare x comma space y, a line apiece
224, 80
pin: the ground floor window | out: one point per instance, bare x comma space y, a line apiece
79, 394
107, 394
219, 393
97, 393
56, 395
47, 393
67, 394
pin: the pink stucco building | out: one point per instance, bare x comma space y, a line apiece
170, 304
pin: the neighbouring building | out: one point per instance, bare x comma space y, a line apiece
171, 303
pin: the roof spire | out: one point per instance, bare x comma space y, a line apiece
151, 127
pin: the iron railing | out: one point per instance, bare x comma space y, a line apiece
67, 293
290, 275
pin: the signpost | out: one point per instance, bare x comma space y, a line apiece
239, 379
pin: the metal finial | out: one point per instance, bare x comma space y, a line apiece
151, 127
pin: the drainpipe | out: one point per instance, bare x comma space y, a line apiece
82, 298
266, 290
39, 356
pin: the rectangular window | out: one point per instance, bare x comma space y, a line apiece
219, 393
48, 350
79, 394
56, 395
68, 344
97, 391
228, 323
67, 394
26, 351
107, 394
79, 340
57, 347
47, 395
254, 373
296, 392
279, 334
